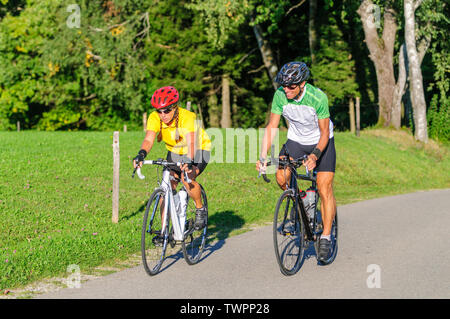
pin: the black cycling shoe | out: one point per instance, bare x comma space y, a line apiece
201, 217
324, 252
158, 240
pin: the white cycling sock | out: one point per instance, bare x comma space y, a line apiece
327, 237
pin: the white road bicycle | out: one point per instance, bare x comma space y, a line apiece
169, 220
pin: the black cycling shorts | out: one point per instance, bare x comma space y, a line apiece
326, 162
201, 159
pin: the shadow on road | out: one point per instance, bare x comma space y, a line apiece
220, 225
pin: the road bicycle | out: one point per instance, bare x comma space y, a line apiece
169, 220
294, 226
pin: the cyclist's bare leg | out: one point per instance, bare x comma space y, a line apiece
194, 190
283, 175
328, 201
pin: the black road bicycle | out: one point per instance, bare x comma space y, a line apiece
293, 229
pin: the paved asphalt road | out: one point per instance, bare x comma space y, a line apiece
393, 247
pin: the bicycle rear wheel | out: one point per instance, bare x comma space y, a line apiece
194, 240
154, 239
288, 230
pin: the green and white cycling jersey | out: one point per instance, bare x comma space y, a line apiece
303, 114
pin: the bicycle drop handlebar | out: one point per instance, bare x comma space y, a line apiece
164, 163
288, 162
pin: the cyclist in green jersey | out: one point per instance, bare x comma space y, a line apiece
310, 133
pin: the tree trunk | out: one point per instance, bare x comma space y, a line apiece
358, 117
213, 108
267, 55
382, 54
312, 29
415, 74
225, 122
234, 111
400, 88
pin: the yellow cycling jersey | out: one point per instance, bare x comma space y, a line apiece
187, 123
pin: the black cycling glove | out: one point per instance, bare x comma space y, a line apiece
141, 156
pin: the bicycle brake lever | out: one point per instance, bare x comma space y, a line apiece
186, 178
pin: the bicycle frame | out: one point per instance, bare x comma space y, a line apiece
311, 234
169, 206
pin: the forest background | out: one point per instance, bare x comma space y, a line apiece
93, 65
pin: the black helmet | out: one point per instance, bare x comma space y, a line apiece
292, 73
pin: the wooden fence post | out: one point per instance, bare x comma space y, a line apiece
116, 164
18, 126
188, 106
144, 121
357, 116
352, 115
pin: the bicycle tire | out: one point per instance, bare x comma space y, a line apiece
194, 241
288, 235
334, 241
153, 254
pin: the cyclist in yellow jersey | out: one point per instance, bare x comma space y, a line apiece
185, 141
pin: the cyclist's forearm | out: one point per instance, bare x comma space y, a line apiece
323, 142
149, 139
269, 135
146, 146
191, 141
324, 135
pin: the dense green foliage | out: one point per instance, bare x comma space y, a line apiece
100, 74
55, 203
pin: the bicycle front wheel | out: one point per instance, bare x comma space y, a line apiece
154, 239
288, 230
194, 240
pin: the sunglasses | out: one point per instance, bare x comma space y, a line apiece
291, 87
165, 111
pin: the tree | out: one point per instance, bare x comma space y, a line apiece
225, 122
433, 20
23, 75
381, 53
312, 29
415, 77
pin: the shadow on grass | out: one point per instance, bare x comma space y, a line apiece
140, 210
220, 225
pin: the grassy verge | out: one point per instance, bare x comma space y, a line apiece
55, 194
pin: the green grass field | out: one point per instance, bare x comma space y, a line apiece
56, 194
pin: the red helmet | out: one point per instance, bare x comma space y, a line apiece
164, 97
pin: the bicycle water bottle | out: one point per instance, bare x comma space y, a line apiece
309, 200
176, 199
183, 195
177, 226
